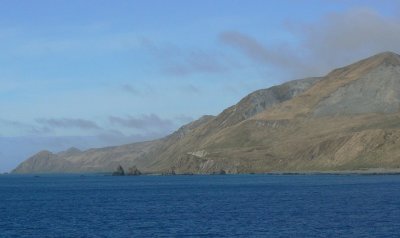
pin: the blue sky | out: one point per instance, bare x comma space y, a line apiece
95, 73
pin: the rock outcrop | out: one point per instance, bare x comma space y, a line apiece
133, 171
119, 171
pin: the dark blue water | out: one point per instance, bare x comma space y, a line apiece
209, 206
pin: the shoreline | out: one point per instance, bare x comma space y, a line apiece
327, 172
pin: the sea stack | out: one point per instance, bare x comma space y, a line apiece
119, 172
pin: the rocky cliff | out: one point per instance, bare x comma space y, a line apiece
346, 120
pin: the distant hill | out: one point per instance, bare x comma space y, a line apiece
346, 120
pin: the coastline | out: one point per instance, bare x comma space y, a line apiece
374, 171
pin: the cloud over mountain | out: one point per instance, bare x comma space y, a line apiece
334, 40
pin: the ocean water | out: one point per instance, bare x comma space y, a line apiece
200, 206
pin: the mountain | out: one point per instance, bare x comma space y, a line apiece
346, 120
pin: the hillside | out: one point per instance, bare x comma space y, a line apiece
346, 120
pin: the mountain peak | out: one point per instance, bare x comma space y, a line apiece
387, 57
387, 54
43, 153
368, 86
364, 66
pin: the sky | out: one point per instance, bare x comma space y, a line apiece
98, 73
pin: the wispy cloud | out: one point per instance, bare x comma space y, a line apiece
13, 123
190, 89
25, 127
142, 89
280, 56
183, 62
68, 123
130, 89
248, 45
143, 122
98, 42
195, 62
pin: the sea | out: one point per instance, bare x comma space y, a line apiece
200, 206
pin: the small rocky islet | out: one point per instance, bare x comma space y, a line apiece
132, 171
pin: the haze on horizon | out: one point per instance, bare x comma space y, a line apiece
97, 73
